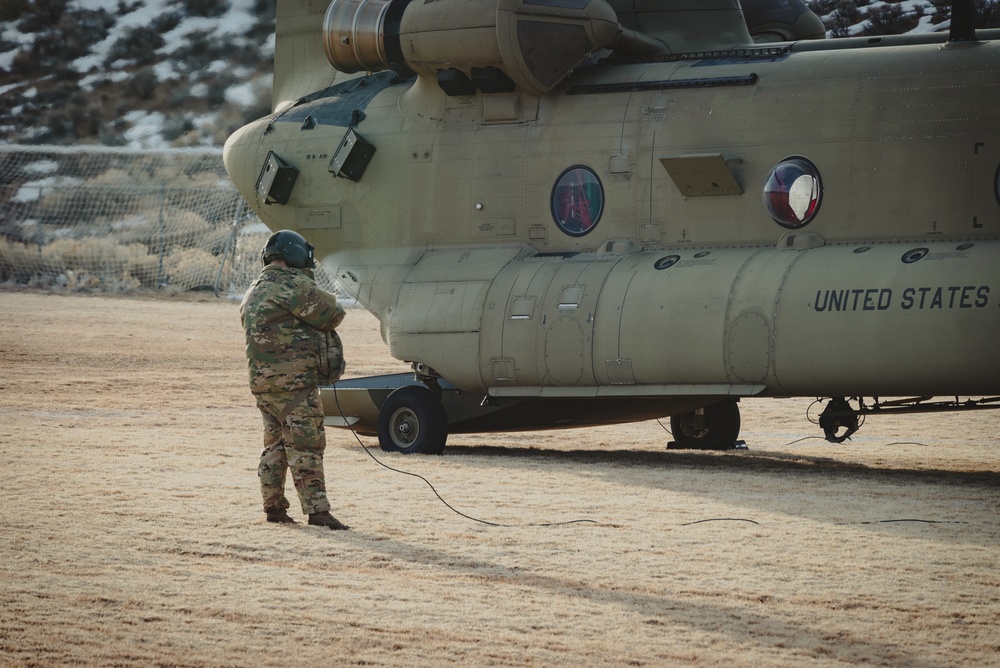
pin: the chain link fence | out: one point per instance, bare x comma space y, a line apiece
102, 220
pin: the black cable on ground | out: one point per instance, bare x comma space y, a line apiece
804, 438
448, 505
664, 427
903, 520
586, 521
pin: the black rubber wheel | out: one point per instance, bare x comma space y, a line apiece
717, 428
412, 420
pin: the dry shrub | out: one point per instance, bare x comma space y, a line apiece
192, 268
92, 254
115, 221
79, 207
153, 175
146, 270
178, 229
91, 263
187, 229
112, 177
203, 172
18, 261
140, 228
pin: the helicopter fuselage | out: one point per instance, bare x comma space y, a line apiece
613, 233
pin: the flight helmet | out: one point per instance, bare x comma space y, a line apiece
291, 247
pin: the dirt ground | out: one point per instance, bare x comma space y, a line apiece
132, 532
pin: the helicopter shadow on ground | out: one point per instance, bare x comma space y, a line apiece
743, 461
789, 476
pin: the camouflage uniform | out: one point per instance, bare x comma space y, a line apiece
288, 323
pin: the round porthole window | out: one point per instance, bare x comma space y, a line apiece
792, 192
577, 201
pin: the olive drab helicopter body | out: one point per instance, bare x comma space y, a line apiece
580, 212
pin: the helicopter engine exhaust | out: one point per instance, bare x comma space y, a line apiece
486, 45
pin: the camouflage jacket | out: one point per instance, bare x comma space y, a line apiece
289, 324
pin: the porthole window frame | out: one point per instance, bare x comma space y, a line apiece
815, 173
553, 202
666, 262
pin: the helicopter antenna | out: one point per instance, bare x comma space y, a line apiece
962, 28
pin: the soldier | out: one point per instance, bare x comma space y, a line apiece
291, 348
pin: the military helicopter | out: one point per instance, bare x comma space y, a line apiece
585, 212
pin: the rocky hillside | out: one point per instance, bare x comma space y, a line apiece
162, 73
149, 73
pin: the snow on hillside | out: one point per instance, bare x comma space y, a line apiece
926, 21
187, 73
148, 74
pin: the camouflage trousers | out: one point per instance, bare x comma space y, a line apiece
297, 444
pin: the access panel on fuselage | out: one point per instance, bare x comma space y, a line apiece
538, 327
673, 316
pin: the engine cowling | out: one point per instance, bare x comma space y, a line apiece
469, 45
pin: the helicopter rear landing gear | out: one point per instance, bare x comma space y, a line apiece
838, 413
714, 427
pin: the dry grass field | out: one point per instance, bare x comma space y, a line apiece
132, 533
